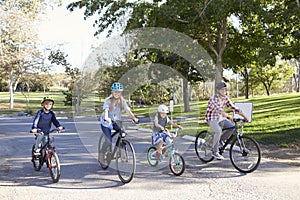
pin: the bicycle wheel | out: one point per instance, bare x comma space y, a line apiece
54, 166
125, 161
177, 164
203, 146
37, 161
106, 153
245, 154
151, 156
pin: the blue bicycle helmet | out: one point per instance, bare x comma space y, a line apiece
117, 87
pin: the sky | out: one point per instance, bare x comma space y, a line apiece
68, 31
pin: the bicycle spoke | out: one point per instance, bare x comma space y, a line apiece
125, 161
54, 166
245, 154
203, 146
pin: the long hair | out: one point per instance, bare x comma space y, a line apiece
113, 101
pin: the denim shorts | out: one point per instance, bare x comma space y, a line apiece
161, 136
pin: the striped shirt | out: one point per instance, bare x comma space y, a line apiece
216, 107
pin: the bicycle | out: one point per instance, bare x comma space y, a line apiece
244, 151
123, 152
48, 155
176, 161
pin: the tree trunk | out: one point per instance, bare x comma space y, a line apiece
11, 91
246, 83
219, 69
186, 96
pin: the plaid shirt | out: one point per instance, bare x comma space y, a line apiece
216, 106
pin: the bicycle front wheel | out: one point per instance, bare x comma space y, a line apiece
125, 161
104, 155
203, 146
54, 166
245, 154
177, 164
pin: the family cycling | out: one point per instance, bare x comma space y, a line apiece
208, 144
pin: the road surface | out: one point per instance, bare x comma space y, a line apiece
82, 177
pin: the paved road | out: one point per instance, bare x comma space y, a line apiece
82, 177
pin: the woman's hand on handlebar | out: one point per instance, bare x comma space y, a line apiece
136, 120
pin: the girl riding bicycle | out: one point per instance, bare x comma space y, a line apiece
218, 119
159, 124
43, 121
112, 108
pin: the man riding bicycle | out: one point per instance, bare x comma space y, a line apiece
218, 119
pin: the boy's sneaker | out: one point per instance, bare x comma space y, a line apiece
218, 156
37, 152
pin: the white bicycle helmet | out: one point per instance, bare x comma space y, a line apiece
163, 109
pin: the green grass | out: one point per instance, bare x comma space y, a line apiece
276, 118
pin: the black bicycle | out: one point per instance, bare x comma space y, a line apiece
48, 155
123, 152
244, 151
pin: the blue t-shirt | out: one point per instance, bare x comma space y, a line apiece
114, 113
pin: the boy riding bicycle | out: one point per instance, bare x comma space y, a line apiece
159, 124
43, 121
218, 119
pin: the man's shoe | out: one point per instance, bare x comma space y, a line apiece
218, 156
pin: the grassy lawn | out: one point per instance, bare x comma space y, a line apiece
276, 119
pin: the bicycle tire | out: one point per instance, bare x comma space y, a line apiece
177, 164
54, 166
37, 161
203, 146
107, 154
247, 158
125, 161
152, 162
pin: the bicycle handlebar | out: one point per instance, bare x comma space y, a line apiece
51, 131
239, 120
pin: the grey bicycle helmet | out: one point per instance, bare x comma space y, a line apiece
117, 86
221, 85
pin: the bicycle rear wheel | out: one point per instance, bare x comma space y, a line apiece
125, 161
177, 164
37, 161
54, 166
105, 153
203, 146
245, 154
151, 156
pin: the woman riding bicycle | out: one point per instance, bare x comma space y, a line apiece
112, 108
218, 119
43, 121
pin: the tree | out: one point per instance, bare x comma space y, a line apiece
18, 48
